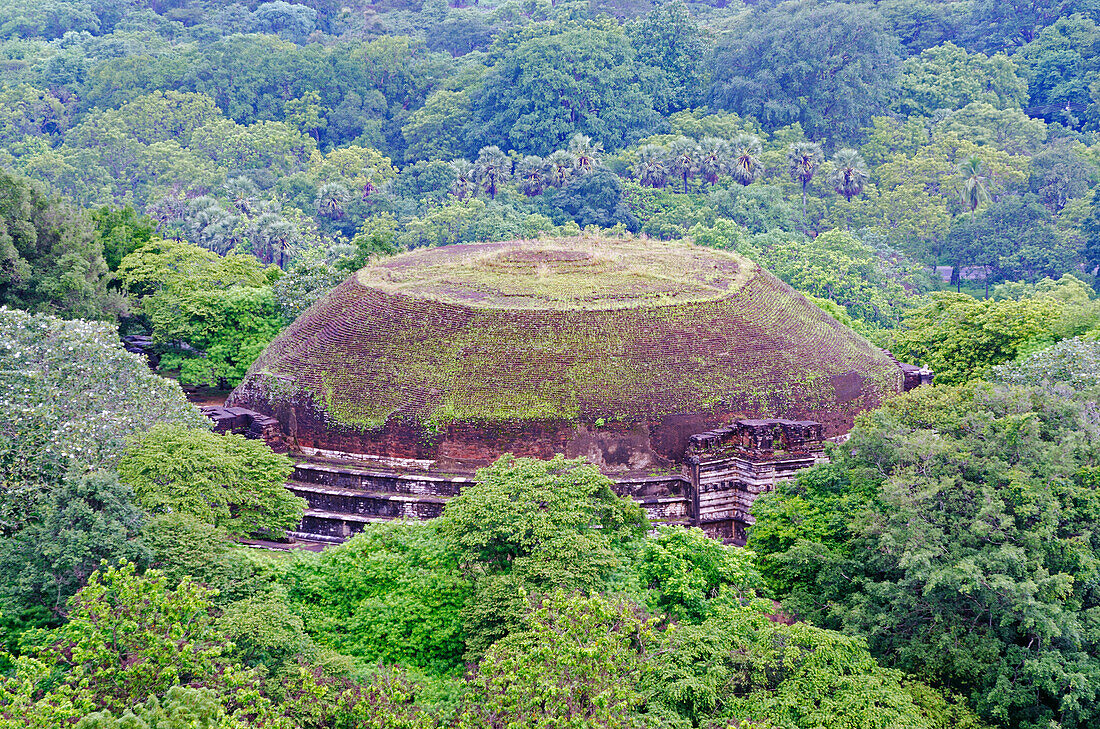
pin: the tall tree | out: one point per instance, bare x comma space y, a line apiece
973, 191
849, 173
651, 168
576, 78
683, 159
465, 182
560, 168
585, 153
715, 154
531, 170
492, 169
829, 66
746, 167
803, 161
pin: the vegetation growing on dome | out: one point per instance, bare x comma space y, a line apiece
573, 330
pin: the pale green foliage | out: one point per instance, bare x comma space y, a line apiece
72, 395
127, 638
225, 480
1073, 362
183, 707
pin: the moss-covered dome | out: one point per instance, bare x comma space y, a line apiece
614, 349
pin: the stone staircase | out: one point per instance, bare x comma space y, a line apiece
342, 499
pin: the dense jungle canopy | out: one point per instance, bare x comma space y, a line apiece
200, 172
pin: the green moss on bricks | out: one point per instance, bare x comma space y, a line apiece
573, 330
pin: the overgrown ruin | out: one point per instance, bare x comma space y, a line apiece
691, 377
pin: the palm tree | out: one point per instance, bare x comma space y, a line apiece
652, 166
803, 161
714, 158
746, 167
531, 170
973, 191
331, 199
242, 193
683, 159
559, 168
492, 169
274, 236
464, 184
850, 173
585, 153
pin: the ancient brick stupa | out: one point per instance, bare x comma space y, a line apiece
425, 366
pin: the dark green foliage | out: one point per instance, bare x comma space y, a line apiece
1014, 237
88, 518
595, 199
575, 79
50, 259
668, 38
828, 67
955, 531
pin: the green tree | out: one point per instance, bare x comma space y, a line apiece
829, 67
668, 38
223, 306
571, 79
960, 337
50, 258
304, 113
651, 168
970, 507
683, 159
739, 666
580, 663
849, 173
492, 168
88, 518
554, 523
393, 593
948, 78
121, 231
746, 167
689, 571
803, 161
128, 637
225, 480
973, 192
74, 396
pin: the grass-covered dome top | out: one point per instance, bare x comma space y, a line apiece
501, 338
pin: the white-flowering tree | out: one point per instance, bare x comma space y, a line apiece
70, 396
